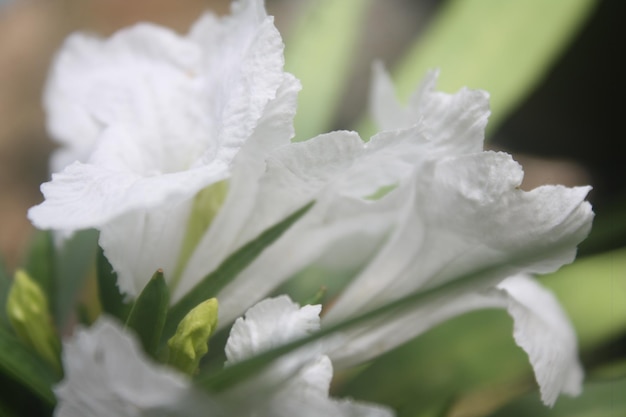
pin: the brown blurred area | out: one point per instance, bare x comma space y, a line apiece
32, 30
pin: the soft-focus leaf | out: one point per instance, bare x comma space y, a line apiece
22, 367
111, 299
5, 285
593, 292
319, 53
228, 270
473, 350
73, 261
40, 261
147, 317
504, 47
599, 399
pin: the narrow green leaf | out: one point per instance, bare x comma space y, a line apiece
39, 263
237, 372
599, 399
24, 368
73, 262
319, 53
147, 317
504, 47
111, 300
228, 270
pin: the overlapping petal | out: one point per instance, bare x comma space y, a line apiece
159, 117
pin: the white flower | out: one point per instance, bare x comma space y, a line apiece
455, 210
296, 384
148, 120
106, 373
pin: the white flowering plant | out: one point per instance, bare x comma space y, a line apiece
178, 191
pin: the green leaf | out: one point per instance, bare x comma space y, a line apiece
319, 53
111, 300
465, 353
599, 399
39, 263
147, 317
25, 369
5, 285
504, 47
228, 270
592, 291
73, 262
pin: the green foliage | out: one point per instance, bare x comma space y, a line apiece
40, 262
504, 47
320, 53
72, 264
593, 292
228, 270
428, 373
111, 300
147, 317
5, 284
25, 369
599, 399
29, 315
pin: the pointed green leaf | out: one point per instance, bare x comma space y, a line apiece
320, 53
503, 47
24, 368
147, 317
111, 300
228, 270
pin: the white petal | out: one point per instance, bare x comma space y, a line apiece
466, 213
95, 82
270, 323
227, 231
541, 328
297, 383
455, 122
87, 195
106, 373
306, 394
140, 242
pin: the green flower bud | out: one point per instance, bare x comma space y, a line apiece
27, 309
190, 343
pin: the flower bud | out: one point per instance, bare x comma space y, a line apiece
190, 342
27, 309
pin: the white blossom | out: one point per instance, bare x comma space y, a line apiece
106, 373
148, 120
